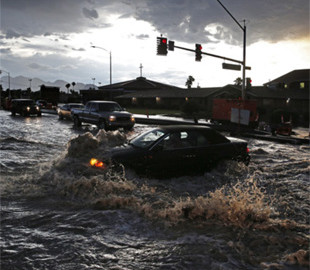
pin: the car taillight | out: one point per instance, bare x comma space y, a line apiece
247, 150
96, 163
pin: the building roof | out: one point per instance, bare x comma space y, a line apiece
144, 88
171, 93
278, 93
300, 75
138, 84
229, 90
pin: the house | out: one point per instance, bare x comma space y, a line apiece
111, 91
287, 95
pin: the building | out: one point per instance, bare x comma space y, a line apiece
111, 91
287, 95
50, 94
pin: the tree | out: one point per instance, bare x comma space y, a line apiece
73, 84
67, 86
189, 81
238, 81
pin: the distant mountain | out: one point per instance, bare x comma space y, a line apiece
21, 82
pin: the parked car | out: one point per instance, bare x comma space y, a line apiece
24, 107
105, 114
176, 150
65, 110
42, 103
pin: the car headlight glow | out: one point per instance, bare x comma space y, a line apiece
96, 163
28, 108
37, 108
112, 118
132, 119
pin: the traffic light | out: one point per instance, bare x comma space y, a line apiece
198, 52
171, 45
248, 83
162, 46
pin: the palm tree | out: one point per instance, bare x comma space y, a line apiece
67, 86
189, 81
238, 81
73, 84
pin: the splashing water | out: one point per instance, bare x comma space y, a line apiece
235, 216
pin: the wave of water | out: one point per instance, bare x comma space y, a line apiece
234, 217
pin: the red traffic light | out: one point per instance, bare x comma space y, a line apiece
198, 47
198, 52
162, 47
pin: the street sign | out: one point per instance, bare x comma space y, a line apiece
231, 66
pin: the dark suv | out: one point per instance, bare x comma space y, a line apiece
25, 107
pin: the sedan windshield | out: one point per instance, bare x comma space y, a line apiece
147, 139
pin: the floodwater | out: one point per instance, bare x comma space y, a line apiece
59, 213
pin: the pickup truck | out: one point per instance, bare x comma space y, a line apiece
105, 114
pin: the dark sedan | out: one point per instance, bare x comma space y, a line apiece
65, 110
177, 150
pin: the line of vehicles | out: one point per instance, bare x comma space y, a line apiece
163, 151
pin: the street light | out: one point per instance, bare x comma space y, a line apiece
243, 28
110, 60
9, 79
94, 82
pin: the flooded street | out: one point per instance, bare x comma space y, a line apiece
57, 212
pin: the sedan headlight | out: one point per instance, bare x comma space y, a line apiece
37, 108
112, 118
28, 108
97, 163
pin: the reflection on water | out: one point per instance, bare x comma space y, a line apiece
60, 213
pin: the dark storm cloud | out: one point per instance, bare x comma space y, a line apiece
32, 17
91, 14
185, 20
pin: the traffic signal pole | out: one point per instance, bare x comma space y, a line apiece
243, 28
210, 54
162, 49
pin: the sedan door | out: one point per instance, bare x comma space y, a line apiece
210, 150
173, 155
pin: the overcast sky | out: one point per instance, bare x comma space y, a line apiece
52, 39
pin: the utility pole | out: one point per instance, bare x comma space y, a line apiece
243, 28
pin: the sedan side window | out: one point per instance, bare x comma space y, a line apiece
176, 140
196, 139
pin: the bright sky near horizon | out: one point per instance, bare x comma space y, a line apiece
52, 40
